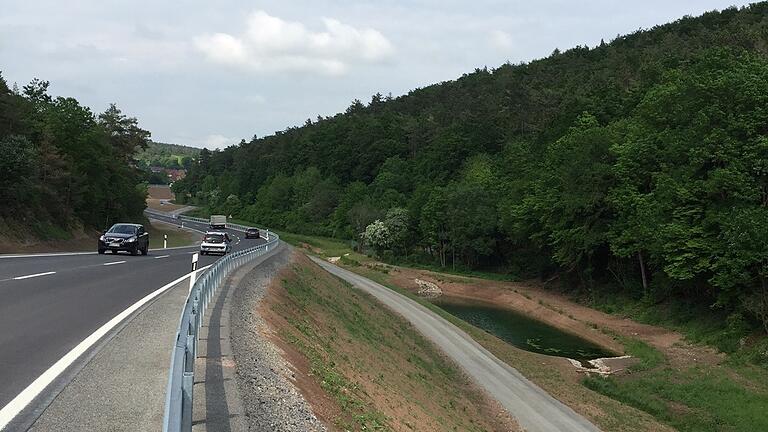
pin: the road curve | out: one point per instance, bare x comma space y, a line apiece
535, 410
50, 303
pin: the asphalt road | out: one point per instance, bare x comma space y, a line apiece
534, 409
49, 304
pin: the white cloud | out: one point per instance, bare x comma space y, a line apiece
502, 40
217, 141
272, 44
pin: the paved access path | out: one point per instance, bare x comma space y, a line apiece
535, 410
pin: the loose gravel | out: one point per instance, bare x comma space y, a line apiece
271, 401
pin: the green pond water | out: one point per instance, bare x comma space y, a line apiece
524, 332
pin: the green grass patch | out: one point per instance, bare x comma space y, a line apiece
695, 400
48, 231
648, 356
176, 236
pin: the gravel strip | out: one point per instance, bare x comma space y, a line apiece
271, 401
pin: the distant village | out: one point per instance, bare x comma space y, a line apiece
172, 174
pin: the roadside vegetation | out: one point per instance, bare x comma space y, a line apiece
375, 370
65, 171
176, 236
665, 388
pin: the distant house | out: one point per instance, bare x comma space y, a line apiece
176, 174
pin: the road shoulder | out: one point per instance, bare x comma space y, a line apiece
122, 388
270, 400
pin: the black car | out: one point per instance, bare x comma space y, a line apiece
252, 233
125, 237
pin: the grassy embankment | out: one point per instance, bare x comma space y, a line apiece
375, 370
731, 395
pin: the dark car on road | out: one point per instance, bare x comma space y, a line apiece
127, 237
252, 233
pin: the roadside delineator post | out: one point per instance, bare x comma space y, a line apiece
193, 273
165, 241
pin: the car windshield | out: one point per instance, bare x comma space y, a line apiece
214, 238
122, 229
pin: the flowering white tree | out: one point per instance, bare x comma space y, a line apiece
377, 236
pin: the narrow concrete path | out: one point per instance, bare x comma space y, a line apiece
535, 410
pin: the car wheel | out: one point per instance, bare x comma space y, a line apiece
135, 251
114, 252
101, 251
145, 250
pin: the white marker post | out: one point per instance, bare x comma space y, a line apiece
165, 241
194, 267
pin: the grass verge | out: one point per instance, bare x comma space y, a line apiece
176, 236
380, 373
697, 399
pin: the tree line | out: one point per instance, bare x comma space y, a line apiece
641, 163
63, 167
172, 156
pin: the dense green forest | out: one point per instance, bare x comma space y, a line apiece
64, 167
640, 165
165, 155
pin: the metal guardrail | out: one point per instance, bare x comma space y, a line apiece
178, 402
234, 226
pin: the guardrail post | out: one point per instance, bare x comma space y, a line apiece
193, 273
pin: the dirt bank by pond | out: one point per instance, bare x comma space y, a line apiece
555, 309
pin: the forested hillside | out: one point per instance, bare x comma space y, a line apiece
165, 155
639, 164
63, 167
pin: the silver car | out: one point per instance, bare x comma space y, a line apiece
215, 242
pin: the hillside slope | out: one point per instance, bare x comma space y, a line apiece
639, 163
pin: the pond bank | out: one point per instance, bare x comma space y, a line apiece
534, 300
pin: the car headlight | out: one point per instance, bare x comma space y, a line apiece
130, 239
101, 238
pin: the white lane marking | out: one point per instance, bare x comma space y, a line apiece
41, 255
162, 256
27, 395
57, 254
34, 275
113, 263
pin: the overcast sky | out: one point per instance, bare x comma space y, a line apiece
208, 73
